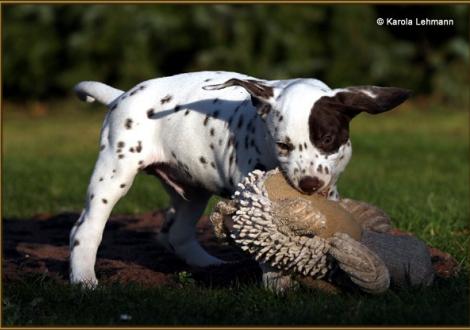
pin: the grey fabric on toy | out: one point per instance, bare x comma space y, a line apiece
407, 258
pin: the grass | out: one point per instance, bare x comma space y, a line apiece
412, 163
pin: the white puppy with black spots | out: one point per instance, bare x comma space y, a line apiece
201, 133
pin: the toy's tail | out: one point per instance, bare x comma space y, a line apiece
91, 91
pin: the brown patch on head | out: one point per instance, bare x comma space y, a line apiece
329, 128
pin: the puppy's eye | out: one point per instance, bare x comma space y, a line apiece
327, 139
284, 148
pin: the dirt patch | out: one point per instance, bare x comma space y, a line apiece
129, 251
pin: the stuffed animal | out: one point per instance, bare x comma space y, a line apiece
297, 237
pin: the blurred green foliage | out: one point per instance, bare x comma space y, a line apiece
48, 48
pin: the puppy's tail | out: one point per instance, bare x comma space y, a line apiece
91, 91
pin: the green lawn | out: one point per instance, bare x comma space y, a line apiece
412, 163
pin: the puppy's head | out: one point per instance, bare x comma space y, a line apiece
309, 124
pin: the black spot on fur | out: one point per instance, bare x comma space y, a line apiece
211, 146
92, 196
139, 146
281, 118
150, 113
212, 164
208, 79
305, 145
140, 162
122, 185
128, 123
186, 112
173, 154
320, 169
121, 156
133, 92
177, 108
114, 107
114, 170
101, 179
220, 142
131, 149
260, 166
105, 201
120, 144
166, 99
202, 160
327, 171
75, 243
300, 147
240, 122
102, 147
206, 120
212, 131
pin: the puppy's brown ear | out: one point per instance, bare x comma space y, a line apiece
260, 92
371, 99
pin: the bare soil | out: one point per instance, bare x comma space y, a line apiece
129, 252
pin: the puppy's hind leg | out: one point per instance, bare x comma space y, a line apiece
111, 179
179, 230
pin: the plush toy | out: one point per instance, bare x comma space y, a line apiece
308, 238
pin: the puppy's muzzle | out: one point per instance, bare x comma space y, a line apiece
310, 184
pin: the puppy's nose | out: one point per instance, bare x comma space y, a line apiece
310, 184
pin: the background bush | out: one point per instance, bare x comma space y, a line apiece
49, 48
